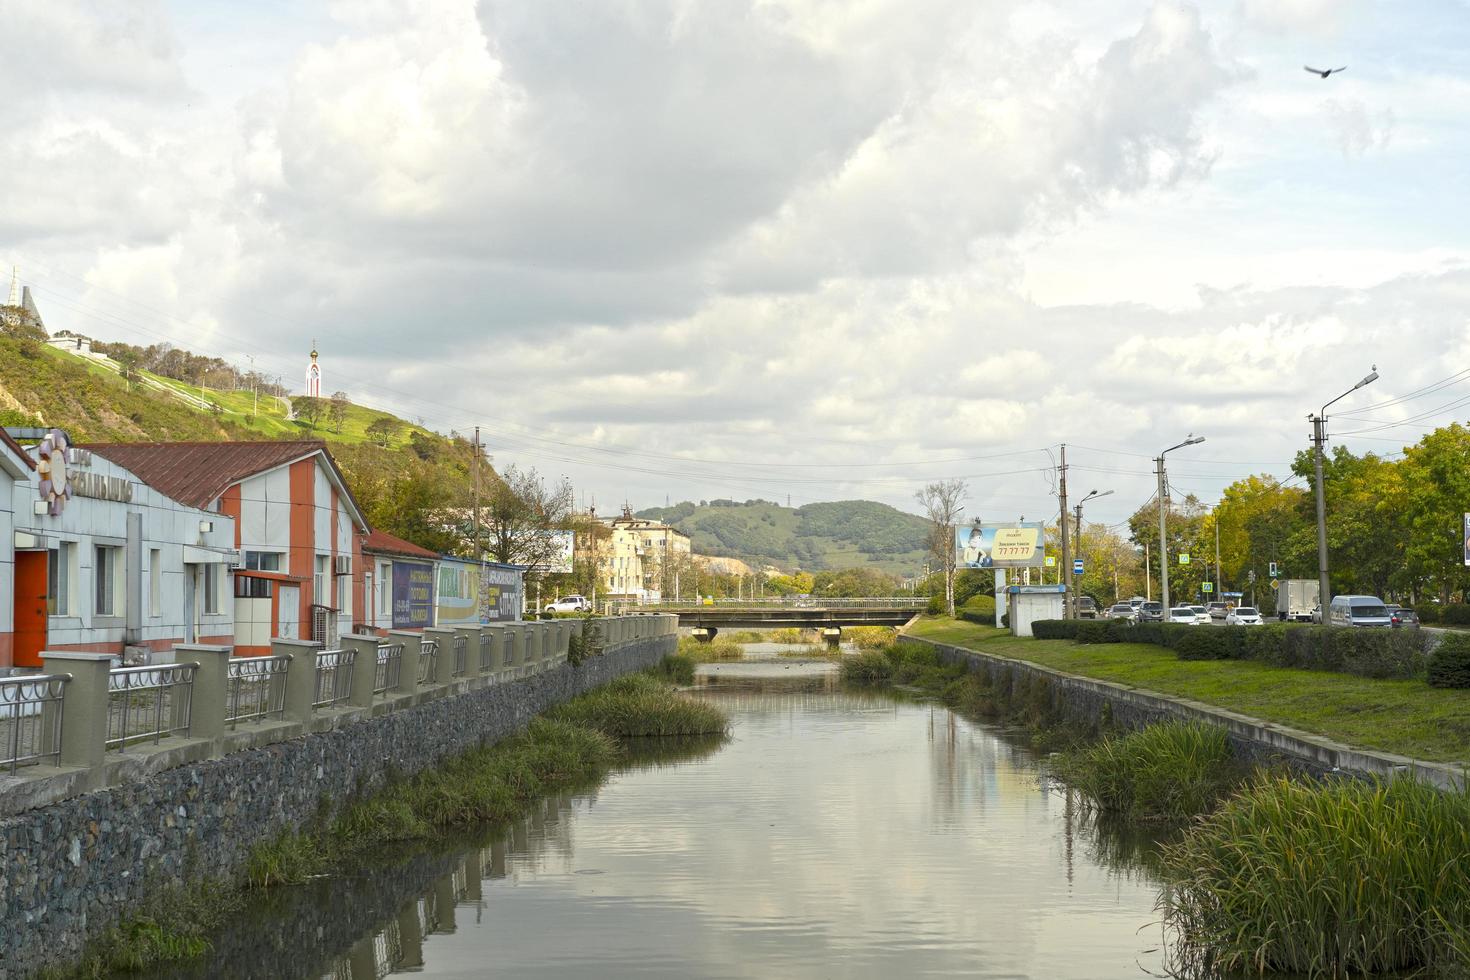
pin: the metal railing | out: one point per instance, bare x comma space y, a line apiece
428, 657
147, 703
255, 689
487, 652
783, 602
333, 677
461, 656
30, 719
390, 667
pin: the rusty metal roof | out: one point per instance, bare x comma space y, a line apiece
198, 473
383, 543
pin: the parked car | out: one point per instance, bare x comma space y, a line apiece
1151, 612
1201, 615
1402, 617
1183, 615
1086, 607
1243, 616
1358, 610
569, 604
1137, 601
1217, 610
1123, 611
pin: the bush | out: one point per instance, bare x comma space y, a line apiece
1449, 664
1428, 613
637, 705
1320, 879
1172, 772
868, 667
1056, 629
1455, 614
1100, 631
935, 606
971, 616
1203, 644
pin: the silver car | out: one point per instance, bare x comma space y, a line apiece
1123, 611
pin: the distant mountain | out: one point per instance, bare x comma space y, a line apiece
840, 534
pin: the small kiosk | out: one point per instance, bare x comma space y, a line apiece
1025, 604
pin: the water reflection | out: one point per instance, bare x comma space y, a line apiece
837, 832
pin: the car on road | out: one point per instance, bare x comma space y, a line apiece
1402, 616
1151, 612
1123, 611
1243, 616
1201, 615
1086, 607
1358, 610
569, 604
1137, 601
1183, 615
1217, 610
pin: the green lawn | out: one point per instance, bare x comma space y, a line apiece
1406, 717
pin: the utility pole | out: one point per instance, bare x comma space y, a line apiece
1163, 539
1148, 574
1068, 606
1319, 436
1218, 577
475, 465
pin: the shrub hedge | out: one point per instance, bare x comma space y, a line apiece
1428, 614
1455, 614
1056, 629
1099, 631
1449, 665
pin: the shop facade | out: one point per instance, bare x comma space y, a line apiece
400, 583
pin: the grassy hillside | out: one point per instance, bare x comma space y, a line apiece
840, 534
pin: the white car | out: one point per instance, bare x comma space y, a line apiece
1124, 612
1243, 616
1184, 615
1201, 615
569, 604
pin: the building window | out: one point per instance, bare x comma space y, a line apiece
263, 561
319, 593
60, 579
247, 587
385, 589
211, 590
344, 595
104, 575
155, 582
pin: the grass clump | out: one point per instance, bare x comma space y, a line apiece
719, 648
869, 637
173, 926
288, 859
639, 705
868, 667
1334, 879
1164, 773
676, 668
788, 634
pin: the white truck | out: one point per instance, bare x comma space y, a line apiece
1296, 598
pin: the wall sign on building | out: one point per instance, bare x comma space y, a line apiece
413, 595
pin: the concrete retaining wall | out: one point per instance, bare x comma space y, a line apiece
1086, 700
69, 870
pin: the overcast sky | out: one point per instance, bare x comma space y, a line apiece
822, 248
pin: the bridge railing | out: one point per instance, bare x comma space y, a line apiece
785, 602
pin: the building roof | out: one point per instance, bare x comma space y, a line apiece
383, 543
17, 450
198, 473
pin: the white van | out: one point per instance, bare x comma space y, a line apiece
1358, 610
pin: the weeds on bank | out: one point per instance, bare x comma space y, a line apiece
720, 648
175, 926
1326, 879
638, 705
676, 668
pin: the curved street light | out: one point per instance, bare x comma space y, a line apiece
1319, 436
1077, 542
1192, 440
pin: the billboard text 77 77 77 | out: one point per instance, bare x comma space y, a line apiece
999, 546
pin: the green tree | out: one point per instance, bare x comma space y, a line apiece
308, 410
1436, 485
383, 430
337, 410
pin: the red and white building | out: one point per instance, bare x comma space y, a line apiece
298, 529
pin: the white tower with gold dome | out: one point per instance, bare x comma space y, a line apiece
313, 375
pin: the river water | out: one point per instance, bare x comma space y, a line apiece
836, 833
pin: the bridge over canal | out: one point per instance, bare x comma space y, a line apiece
826, 615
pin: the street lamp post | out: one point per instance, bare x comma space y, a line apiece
1319, 436
1163, 509
1077, 538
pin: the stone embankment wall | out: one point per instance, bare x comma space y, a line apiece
1088, 701
70, 869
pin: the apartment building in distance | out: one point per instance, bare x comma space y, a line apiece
639, 557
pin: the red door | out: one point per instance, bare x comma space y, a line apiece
30, 607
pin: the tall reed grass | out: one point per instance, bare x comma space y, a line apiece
638, 705
1335, 879
1164, 773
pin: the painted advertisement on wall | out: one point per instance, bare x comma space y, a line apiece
413, 594
1000, 546
470, 593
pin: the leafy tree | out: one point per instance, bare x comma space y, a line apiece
521, 515
1436, 495
338, 410
308, 409
797, 583
943, 502
383, 430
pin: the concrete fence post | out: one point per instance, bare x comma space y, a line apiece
210, 700
300, 676
496, 633
364, 667
84, 709
515, 652
408, 670
444, 658
536, 647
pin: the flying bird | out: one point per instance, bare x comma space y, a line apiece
1324, 74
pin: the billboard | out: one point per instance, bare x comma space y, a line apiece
1000, 546
1465, 537
413, 594
471, 593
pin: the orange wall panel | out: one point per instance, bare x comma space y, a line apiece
302, 557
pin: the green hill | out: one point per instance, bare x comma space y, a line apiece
840, 534
401, 475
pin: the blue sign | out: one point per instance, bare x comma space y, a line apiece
413, 595
1077, 566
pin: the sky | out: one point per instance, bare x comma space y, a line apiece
804, 249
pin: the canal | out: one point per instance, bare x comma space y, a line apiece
836, 832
